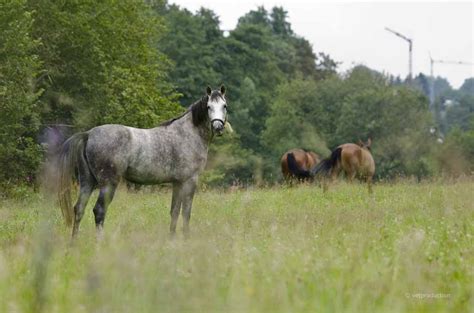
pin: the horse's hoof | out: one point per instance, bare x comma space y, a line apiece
99, 234
172, 236
187, 235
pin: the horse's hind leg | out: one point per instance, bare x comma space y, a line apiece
106, 195
84, 195
351, 174
87, 184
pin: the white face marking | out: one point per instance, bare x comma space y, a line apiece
217, 110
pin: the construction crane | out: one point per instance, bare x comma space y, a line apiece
410, 51
432, 62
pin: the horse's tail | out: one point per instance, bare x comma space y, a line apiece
294, 169
72, 152
325, 166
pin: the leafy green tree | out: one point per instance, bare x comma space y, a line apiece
230, 164
19, 121
442, 87
192, 42
256, 17
242, 114
422, 83
456, 155
100, 64
468, 86
290, 123
460, 113
279, 23
250, 47
294, 54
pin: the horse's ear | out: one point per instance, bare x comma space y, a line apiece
360, 143
223, 90
369, 142
208, 90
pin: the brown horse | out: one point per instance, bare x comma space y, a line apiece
296, 163
353, 159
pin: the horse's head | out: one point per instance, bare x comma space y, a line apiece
366, 145
217, 109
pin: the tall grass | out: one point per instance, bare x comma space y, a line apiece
408, 247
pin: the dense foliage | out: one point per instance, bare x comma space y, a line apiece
20, 155
100, 64
453, 111
135, 62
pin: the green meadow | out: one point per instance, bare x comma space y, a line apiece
406, 248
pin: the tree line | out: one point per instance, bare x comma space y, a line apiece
85, 63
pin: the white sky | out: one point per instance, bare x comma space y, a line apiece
353, 32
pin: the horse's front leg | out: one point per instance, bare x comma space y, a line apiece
188, 190
176, 201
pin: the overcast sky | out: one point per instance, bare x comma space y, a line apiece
353, 32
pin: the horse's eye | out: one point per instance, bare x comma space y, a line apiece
208, 107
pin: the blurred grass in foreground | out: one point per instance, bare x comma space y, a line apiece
409, 247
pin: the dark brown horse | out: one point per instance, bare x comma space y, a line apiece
354, 159
296, 163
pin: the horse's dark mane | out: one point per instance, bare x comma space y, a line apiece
198, 109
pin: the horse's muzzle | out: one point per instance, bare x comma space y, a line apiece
218, 126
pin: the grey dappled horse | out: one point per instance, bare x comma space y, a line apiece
174, 152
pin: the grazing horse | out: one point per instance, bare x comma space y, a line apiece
353, 159
174, 152
296, 163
